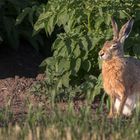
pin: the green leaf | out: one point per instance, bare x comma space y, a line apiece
86, 65
98, 86
63, 17
122, 14
50, 24
108, 19
57, 43
64, 65
100, 11
84, 43
48, 61
61, 52
98, 23
68, 45
21, 16
70, 23
78, 65
77, 51
66, 79
31, 15
44, 17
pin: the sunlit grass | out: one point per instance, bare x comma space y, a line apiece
69, 124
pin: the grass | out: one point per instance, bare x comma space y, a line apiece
69, 124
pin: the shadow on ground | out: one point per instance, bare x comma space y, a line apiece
22, 62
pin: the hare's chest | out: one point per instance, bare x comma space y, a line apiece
112, 80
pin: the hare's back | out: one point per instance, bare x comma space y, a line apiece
133, 68
133, 62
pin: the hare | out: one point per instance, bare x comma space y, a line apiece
121, 75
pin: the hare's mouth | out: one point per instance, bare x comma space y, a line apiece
104, 56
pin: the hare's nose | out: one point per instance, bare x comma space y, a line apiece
101, 54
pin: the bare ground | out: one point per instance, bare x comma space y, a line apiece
18, 72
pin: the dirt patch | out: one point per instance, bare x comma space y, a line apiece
18, 71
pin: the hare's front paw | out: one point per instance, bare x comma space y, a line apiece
111, 115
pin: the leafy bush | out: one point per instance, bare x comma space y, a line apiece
85, 25
10, 30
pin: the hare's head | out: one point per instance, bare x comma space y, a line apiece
114, 48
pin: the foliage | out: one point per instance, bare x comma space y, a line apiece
85, 25
12, 13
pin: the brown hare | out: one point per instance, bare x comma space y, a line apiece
121, 75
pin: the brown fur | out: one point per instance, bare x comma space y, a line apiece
112, 72
121, 75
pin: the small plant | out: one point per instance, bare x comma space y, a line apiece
84, 26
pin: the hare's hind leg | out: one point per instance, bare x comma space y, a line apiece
129, 105
122, 103
112, 103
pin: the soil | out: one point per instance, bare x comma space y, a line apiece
18, 71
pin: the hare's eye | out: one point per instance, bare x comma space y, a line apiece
114, 46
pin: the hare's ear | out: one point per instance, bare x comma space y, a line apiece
115, 29
125, 30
